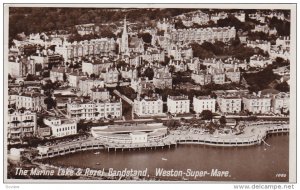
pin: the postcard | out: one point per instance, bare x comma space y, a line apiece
149, 93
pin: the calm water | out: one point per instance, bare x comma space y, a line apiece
256, 163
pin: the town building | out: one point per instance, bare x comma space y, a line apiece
21, 67
233, 74
21, 124
217, 72
162, 78
179, 65
229, 104
257, 103
148, 106
178, 53
284, 42
110, 75
217, 16
30, 100
165, 25
257, 16
74, 78
265, 29
95, 66
86, 84
201, 35
262, 44
129, 73
59, 73
152, 55
85, 29
200, 18
178, 104
61, 127
259, 61
201, 77
94, 110
202, 103
136, 45
281, 103
240, 15
94, 47
282, 71
99, 94
142, 85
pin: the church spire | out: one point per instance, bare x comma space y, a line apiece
124, 40
125, 27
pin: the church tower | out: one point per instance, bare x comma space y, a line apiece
124, 41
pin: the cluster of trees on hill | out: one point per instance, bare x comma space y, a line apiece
38, 19
235, 49
260, 80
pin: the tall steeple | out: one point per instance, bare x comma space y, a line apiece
124, 41
125, 27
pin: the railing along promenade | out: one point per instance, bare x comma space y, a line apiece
253, 134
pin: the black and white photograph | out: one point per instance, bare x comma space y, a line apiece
149, 93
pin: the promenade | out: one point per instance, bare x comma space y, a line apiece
253, 134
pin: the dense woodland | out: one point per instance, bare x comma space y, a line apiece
43, 19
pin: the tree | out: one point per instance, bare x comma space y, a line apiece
222, 120
64, 77
93, 76
29, 77
283, 87
49, 101
147, 37
149, 73
106, 33
160, 33
206, 115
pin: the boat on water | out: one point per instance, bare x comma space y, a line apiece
97, 163
97, 153
164, 159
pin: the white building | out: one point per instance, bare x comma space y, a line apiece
178, 104
284, 42
148, 106
100, 94
58, 73
93, 110
138, 137
240, 15
201, 103
257, 103
154, 55
229, 103
74, 78
101, 47
281, 103
96, 66
20, 125
264, 45
32, 101
259, 61
201, 35
61, 128
282, 71
85, 85
111, 75
201, 77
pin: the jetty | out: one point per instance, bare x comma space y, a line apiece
253, 134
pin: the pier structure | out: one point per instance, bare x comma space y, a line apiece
253, 134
